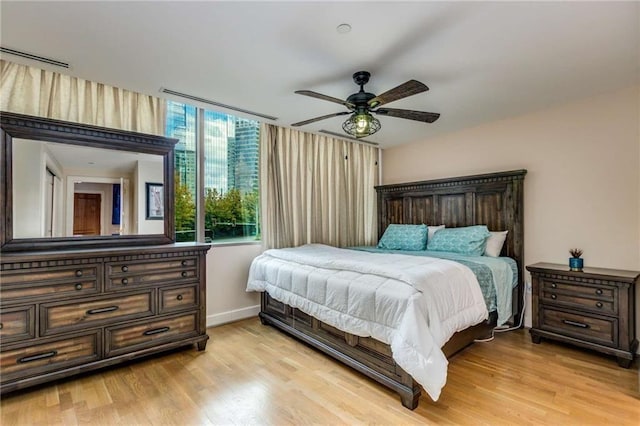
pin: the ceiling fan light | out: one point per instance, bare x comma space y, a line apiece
360, 125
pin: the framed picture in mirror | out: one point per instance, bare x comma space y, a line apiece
155, 201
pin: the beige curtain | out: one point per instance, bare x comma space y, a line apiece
33, 91
316, 189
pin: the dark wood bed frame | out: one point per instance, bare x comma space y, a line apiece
494, 199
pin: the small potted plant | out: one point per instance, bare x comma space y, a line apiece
575, 261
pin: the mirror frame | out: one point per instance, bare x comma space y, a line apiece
36, 128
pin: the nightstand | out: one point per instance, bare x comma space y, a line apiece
593, 308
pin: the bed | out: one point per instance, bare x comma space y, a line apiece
494, 200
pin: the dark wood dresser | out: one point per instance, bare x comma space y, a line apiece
593, 308
70, 311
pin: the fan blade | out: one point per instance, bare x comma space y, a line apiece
325, 97
313, 120
427, 117
410, 88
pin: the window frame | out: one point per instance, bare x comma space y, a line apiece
200, 176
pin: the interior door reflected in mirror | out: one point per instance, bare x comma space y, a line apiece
62, 190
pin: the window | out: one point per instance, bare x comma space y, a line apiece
229, 146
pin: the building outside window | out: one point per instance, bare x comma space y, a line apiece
230, 147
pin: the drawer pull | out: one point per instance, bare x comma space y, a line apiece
554, 285
599, 291
1, 326
554, 297
102, 310
156, 331
125, 281
599, 305
179, 297
125, 268
183, 263
37, 357
79, 286
78, 273
575, 323
184, 274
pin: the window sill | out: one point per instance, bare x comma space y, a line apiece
234, 243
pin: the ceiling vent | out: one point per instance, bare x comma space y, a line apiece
342, 136
217, 104
34, 57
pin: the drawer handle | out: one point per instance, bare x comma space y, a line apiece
37, 357
554, 285
79, 286
184, 274
599, 305
554, 297
156, 331
179, 297
183, 263
102, 310
78, 273
575, 323
599, 291
125, 268
1, 326
125, 281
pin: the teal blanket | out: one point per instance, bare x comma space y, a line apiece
497, 276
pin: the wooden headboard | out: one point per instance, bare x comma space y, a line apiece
493, 199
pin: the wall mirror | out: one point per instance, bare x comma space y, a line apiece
74, 186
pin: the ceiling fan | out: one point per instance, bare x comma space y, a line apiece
362, 104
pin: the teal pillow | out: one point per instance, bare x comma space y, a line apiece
469, 240
404, 237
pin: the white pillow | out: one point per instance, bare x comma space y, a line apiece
432, 230
495, 243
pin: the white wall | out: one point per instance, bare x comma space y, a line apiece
227, 272
27, 189
583, 183
147, 172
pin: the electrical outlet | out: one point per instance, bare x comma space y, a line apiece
527, 285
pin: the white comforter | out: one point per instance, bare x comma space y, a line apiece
414, 304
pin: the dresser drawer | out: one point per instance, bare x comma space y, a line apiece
124, 275
120, 339
61, 317
178, 298
596, 298
39, 283
46, 357
602, 330
17, 324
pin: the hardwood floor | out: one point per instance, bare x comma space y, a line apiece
254, 374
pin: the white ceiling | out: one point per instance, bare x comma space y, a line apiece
483, 61
98, 161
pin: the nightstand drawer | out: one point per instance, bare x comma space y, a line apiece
602, 330
580, 289
575, 301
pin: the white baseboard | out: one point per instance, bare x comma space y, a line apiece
231, 316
